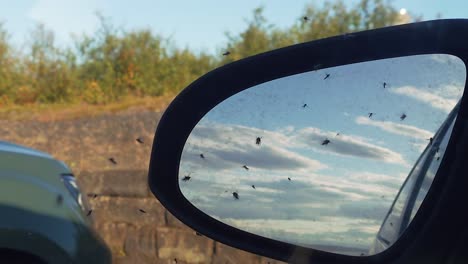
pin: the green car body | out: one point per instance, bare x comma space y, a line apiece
39, 215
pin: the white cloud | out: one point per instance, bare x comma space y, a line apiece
434, 99
347, 145
229, 146
395, 128
334, 234
451, 91
446, 59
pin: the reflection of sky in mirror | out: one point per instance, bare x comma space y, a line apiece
295, 186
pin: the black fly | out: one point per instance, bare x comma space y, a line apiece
430, 140
202, 156
253, 186
258, 140
402, 117
305, 18
370, 115
245, 167
94, 195
89, 212
113, 161
325, 142
384, 85
326, 76
139, 140
289, 178
236, 195
141, 210
186, 178
59, 199
226, 53
304, 106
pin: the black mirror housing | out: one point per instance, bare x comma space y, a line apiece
434, 231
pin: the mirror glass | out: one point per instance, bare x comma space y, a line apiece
318, 158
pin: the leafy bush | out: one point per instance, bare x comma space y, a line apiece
114, 63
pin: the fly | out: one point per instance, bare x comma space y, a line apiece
141, 210
202, 156
304, 106
253, 186
325, 142
289, 178
139, 140
89, 212
59, 199
317, 66
186, 178
258, 140
384, 85
226, 53
370, 115
326, 76
245, 167
113, 161
402, 117
236, 195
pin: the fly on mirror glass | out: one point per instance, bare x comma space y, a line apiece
317, 159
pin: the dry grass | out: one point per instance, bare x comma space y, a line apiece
54, 112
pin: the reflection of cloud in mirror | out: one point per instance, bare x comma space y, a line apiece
229, 146
429, 97
347, 145
326, 231
444, 59
396, 128
295, 200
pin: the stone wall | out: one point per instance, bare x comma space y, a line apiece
133, 223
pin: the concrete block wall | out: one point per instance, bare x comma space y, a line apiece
136, 227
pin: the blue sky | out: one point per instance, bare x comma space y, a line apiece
199, 25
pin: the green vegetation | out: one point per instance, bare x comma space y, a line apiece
113, 64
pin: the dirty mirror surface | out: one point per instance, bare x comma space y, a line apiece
316, 159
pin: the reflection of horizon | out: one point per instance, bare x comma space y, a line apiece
324, 231
354, 177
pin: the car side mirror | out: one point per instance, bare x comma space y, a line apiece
337, 150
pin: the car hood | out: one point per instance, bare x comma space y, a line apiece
20, 162
7, 147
